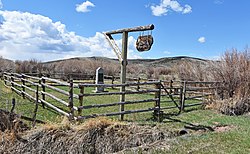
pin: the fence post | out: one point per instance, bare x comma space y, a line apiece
12, 80
36, 107
113, 79
157, 113
138, 81
183, 96
71, 99
5, 78
81, 100
23, 84
42, 82
171, 86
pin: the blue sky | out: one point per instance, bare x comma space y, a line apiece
55, 29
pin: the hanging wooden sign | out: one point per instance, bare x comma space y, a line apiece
144, 43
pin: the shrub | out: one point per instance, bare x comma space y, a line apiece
234, 70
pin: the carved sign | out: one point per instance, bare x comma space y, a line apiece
144, 43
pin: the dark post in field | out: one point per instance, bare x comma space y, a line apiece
122, 55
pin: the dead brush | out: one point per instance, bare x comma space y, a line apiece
230, 106
93, 123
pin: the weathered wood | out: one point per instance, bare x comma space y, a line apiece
58, 100
56, 81
30, 89
23, 84
201, 82
198, 96
113, 44
123, 70
16, 90
32, 83
71, 102
36, 106
15, 84
199, 88
80, 101
183, 97
29, 96
31, 77
121, 93
195, 104
12, 81
118, 85
55, 108
56, 89
13, 105
158, 101
169, 107
135, 29
118, 103
116, 113
193, 97
42, 83
170, 96
16, 78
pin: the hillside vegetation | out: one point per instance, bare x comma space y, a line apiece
162, 68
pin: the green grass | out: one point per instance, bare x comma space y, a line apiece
236, 140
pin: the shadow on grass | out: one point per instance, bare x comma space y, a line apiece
187, 125
172, 117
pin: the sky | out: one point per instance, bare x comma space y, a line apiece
57, 29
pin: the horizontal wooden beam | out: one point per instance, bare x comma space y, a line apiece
119, 85
116, 113
135, 29
120, 93
118, 103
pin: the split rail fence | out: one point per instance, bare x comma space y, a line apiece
77, 101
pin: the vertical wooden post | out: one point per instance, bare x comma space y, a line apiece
13, 105
23, 84
71, 103
36, 107
42, 81
157, 112
80, 101
183, 96
5, 78
171, 87
123, 70
12, 80
180, 96
113, 79
138, 81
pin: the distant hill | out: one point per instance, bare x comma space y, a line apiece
160, 62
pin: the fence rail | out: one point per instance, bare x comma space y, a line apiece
63, 97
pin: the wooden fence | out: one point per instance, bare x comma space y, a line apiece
70, 99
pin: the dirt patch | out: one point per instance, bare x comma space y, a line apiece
95, 136
223, 128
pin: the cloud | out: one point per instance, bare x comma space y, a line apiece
1, 4
38, 37
167, 5
218, 2
202, 39
84, 7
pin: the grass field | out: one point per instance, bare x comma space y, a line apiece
232, 135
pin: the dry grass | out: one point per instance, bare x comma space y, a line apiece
231, 106
99, 135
